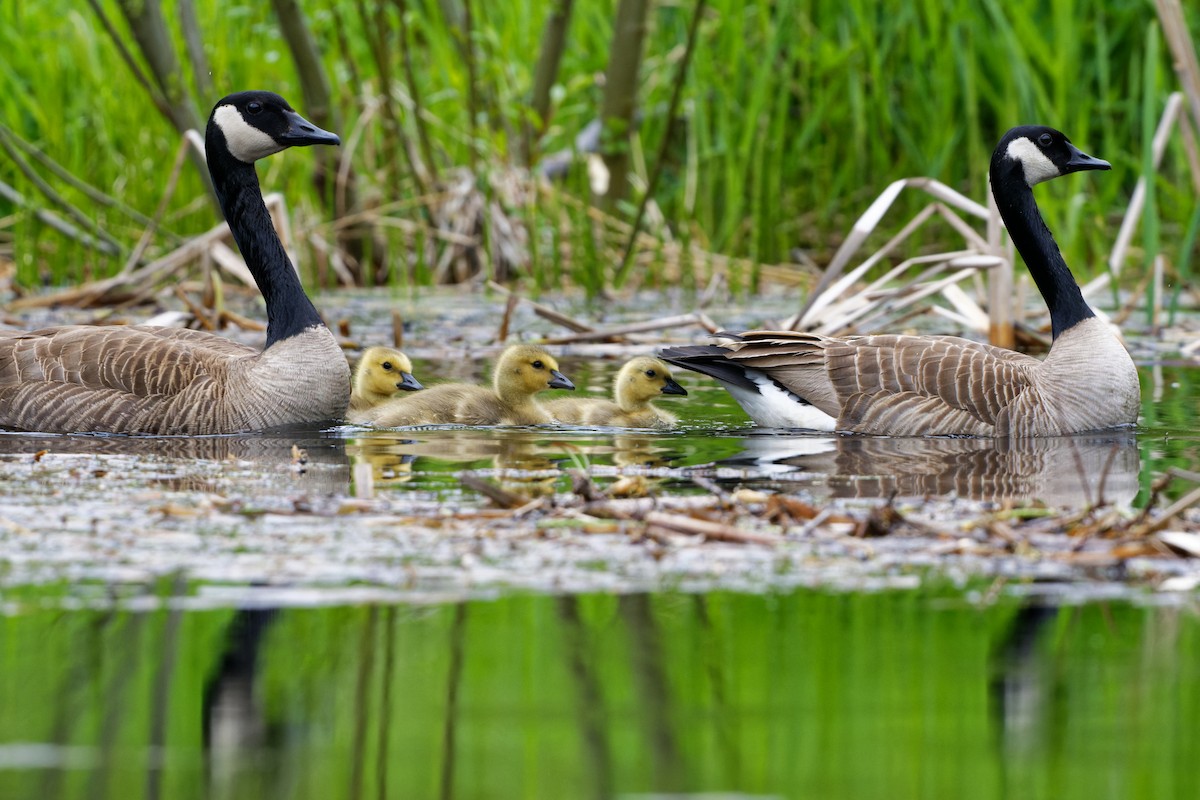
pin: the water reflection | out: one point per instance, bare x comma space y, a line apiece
1066, 470
317, 457
601, 696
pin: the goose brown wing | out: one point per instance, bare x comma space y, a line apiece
134, 360
892, 383
199, 341
914, 384
87, 378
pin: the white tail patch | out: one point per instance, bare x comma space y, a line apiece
1037, 166
772, 407
246, 142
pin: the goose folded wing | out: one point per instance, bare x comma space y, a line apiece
908, 384
141, 362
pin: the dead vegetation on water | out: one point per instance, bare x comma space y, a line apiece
296, 528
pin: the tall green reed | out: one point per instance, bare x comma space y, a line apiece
796, 112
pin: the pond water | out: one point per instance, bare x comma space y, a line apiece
334, 613
924, 693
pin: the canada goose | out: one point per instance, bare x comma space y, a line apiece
521, 372
638, 382
144, 379
380, 373
928, 385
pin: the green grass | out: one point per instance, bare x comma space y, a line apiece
795, 115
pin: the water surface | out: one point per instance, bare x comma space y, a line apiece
803, 694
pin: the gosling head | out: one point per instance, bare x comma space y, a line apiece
641, 380
253, 125
526, 370
381, 372
1037, 153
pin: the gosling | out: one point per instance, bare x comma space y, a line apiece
521, 372
639, 381
380, 373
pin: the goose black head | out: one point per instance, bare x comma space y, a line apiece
1041, 153
253, 125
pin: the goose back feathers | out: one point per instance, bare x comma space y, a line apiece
943, 385
142, 379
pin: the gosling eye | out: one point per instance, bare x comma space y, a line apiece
1045, 140
387, 366
651, 373
538, 365
254, 107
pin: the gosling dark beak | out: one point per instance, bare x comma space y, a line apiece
302, 132
1080, 160
560, 381
671, 387
408, 383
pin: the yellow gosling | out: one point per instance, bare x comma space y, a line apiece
521, 372
381, 373
639, 381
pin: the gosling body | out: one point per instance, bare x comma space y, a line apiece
637, 383
521, 372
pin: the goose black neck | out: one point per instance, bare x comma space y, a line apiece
1036, 245
289, 311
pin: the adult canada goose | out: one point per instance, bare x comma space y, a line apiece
638, 382
152, 380
381, 373
521, 372
928, 385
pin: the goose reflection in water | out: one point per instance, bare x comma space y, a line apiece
1070, 471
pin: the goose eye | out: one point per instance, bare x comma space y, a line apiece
538, 365
387, 365
650, 373
254, 106
1045, 140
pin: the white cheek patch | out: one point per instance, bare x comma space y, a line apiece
1037, 167
244, 141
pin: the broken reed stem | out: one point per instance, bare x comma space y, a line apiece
148, 234
1169, 514
92, 193
414, 92
54, 221
151, 90
713, 531
85, 222
397, 330
633, 327
672, 109
545, 312
510, 306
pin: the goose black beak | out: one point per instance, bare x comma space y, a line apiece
560, 381
301, 132
1080, 160
408, 383
671, 387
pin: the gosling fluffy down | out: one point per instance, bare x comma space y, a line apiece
381, 373
521, 372
639, 381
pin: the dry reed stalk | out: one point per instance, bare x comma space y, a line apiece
619, 331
